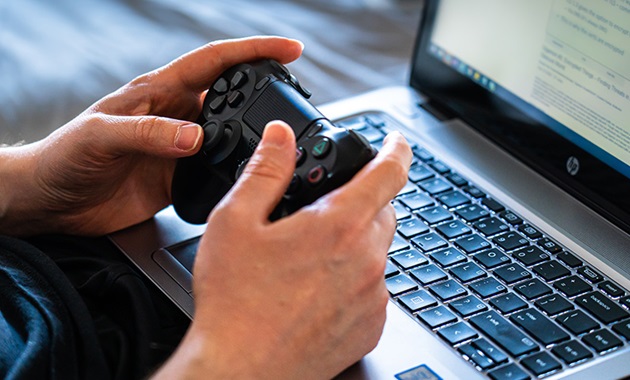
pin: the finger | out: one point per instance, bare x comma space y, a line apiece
152, 135
199, 68
377, 182
268, 172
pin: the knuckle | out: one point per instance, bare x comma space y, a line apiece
145, 128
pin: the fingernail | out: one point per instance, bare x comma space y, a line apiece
275, 135
187, 137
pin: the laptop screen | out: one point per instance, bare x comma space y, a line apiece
548, 80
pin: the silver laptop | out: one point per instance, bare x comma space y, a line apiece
512, 256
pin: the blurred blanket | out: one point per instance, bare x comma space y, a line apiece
57, 57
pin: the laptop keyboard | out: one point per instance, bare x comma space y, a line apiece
509, 299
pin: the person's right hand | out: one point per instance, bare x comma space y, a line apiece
304, 296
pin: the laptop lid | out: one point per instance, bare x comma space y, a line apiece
548, 81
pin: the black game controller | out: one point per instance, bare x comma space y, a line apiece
235, 111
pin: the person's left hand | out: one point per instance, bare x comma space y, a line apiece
112, 166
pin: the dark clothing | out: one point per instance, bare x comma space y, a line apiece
80, 311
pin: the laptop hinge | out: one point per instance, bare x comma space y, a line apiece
438, 111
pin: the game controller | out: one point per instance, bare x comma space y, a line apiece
236, 109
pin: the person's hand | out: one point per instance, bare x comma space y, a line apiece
302, 297
111, 166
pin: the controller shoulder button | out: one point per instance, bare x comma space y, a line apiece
235, 99
316, 175
216, 106
238, 79
321, 148
221, 86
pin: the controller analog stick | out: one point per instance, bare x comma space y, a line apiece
213, 132
220, 139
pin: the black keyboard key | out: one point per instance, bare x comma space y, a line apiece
601, 307
569, 259
611, 289
400, 284
508, 303
398, 244
541, 363
447, 290
435, 215
468, 272
419, 173
540, 327
448, 257
532, 289
468, 306
512, 273
476, 356
418, 300
472, 243
401, 211
510, 241
453, 229
487, 287
490, 226
503, 333
456, 179
530, 255
490, 350
472, 213
428, 274
551, 270
511, 217
492, 204
409, 258
577, 322
453, 199
508, 372
457, 333
412, 227
491, 258
602, 340
390, 269
571, 352
474, 192
422, 154
435, 186
553, 304
408, 189
625, 301
416, 201
440, 167
530, 231
549, 245
590, 275
623, 329
572, 286
437, 316
429, 242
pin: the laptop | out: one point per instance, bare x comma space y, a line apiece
512, 255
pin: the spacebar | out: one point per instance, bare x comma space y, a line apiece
503, 333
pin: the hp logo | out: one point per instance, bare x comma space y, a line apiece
573, 165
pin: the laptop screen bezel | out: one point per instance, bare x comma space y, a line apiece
596, 184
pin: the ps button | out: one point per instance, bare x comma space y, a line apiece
238, 80
321, 148
316, 175
221, 86
235, 99
216, 106
261, 83
300, 156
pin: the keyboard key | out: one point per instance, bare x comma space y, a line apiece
472, 243
572, 286
468, 272
540, 327
474, 192
398, 244
453, 199
435, 215
512, 273
601, 307
569, 259
422, 154
418, 300
476, 356
503, 333
487, 287
553, 304
491, 258
541, 363
457, 333
390, 269
409, 258
623, 329
511, 217
453, 229
492, 204
490, 226
490, 350
508, 372
602, 340
401, 211
412, 227
468, 306
447, 290
400, 284
472, 213
448, 257
510, 241
625, 301
429, 242
437, 316
428, 274
530, 255
416, 201
529, 231
435, 186
611, 289
440, 167
408, 189
456, 179
419, 173
549, 245
532, 289
571, 352
508, 303
590, 275
551, 270
577, 322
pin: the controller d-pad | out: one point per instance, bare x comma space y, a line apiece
238, 80
235, 99
221, 86
316, 175
217, 104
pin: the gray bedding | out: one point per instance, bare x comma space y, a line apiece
59, 56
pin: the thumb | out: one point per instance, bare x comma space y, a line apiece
152, 135
268, 172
